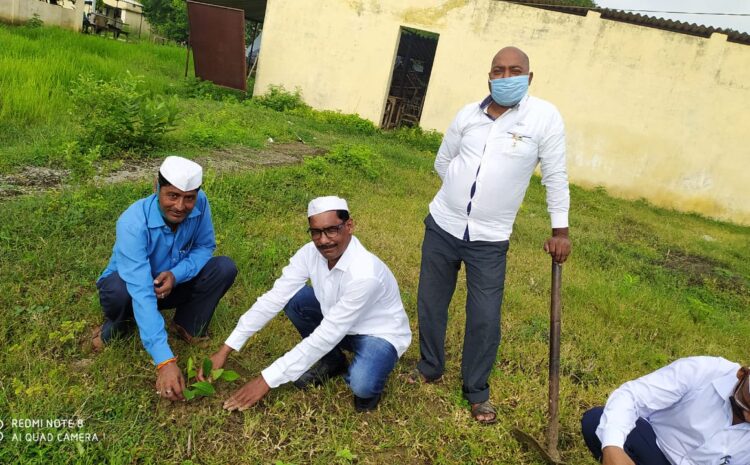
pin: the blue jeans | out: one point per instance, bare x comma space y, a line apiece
640, 445
374, 357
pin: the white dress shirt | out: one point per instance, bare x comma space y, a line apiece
500, 156
358, 296
687, 404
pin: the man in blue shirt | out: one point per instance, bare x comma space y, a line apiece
162, 258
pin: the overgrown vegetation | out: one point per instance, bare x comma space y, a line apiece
168, 18
643, 287
130, 120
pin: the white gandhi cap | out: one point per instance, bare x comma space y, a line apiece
324, 204
184, 174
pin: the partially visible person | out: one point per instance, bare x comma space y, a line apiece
694, 411
354, 305
162, 258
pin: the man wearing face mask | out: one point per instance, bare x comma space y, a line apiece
486, 160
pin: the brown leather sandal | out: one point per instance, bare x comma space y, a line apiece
179, 331
484, 408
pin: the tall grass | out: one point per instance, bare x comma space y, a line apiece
38, 66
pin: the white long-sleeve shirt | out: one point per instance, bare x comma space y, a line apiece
358, 296
499, 156
687, 404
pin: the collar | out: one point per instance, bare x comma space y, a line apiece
346, 258
725, 385
487, 100
153, 213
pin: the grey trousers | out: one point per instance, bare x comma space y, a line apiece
442, 255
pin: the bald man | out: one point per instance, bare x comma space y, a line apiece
485, 161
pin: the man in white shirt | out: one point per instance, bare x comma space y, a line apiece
486, 160
354, 304
694, 411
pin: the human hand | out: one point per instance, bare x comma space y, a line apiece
558, 246
248, 395
163, 284
218, 360
170, 383
612, 455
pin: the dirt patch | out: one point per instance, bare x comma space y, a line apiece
226, 160
701, 270
31, 179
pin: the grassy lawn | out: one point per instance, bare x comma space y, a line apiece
644, 286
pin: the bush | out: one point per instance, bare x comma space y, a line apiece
352, 124
121, 116
279, 99
35, 21
418, 138
359, 159
198, 88
80, 162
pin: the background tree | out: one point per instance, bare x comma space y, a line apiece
168, 18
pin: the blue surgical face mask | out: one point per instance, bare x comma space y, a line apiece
509, 91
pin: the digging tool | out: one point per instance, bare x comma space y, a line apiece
550, 453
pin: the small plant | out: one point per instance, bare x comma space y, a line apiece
346, 455
198, 88
359, 158
80, 162
35, 21
418, 138
279, 99
206, 388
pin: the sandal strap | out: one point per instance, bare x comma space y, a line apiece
483, 408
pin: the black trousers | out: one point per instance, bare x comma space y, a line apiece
640, 444
195, 300
442, 255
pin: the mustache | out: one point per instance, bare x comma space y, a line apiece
326, 247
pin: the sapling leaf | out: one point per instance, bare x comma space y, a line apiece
229, 375
189, 394
203, 388
207, 366
216, 374
191, 369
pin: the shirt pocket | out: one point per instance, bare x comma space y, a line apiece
519, 145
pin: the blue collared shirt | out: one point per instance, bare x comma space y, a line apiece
145, 246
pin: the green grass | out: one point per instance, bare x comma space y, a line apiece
39, 67
643, 287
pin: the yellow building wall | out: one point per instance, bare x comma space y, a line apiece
649, 113
20, 11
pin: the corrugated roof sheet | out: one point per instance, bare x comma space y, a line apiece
639, 19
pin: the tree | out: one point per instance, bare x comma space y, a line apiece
168, 18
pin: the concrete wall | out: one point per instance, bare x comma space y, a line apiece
20, 11
649, 113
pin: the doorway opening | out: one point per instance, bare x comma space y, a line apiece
410, 77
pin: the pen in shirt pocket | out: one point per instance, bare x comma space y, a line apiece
517, 137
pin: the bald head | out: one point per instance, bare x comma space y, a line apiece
510, 62
508, 56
